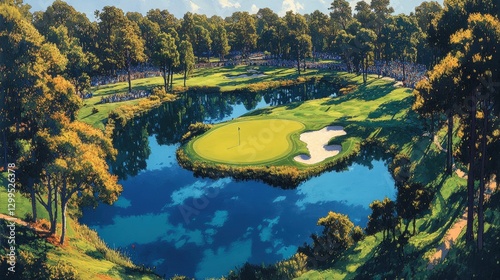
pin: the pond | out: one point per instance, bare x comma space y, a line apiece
168, 219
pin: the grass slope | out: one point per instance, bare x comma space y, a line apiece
84, 250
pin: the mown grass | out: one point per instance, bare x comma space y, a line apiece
84, 250
373, 109
213, 79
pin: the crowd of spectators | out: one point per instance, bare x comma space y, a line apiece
125, 96
394, 69
137, 72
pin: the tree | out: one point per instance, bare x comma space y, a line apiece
412, 200
338, 234
479, 59
24, 9
129, 48
220, 42
201, 41
341, 13
164, 19
188, 28
298, 40
426, 12
166, 57
242, 32
78, 167
24, 76
467, 31
365, 42
186, 58
364, 14
382, 11
318, 30
111, 19
400, 37
383, 218
81, 64
149, 33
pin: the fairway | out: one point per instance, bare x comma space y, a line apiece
255, 142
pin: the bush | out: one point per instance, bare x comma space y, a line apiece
195, 129
63, 270
95, 110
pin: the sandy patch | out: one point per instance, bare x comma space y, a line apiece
317, 144
246, 76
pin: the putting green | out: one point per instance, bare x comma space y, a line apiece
259, 141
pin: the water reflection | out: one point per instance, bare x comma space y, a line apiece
170, 121
197, 227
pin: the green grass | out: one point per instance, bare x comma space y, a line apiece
217, 78
84, 250
375, 108
261, 141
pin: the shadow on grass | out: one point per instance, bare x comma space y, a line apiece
391, 108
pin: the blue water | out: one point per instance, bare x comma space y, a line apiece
168, 219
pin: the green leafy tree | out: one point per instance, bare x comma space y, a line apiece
364, 14
365, 44
382, 12
298, 40
78, 166
319, 29
383, 218
201, 42
220, 42
166, 57
341, 13
186, 59
338, 234
242, 32
129, 48
400, 37
412, 200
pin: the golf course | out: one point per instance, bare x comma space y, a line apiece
236, 140
277, 137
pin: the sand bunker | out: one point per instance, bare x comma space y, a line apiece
317, 144
247, 76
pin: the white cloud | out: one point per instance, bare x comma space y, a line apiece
254, 9
229, 4
291, 5
193, 6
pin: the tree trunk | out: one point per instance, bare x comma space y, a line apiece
171, 78
298, 61
128, 73
4, 140
449, 146
165, 83
63, 220
185, 76
33, 198
469, 233
482, 182
56, 201
404, 74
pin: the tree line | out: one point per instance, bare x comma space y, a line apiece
118, 40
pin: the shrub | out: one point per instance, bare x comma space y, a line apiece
95, 110
195, 129
62, 270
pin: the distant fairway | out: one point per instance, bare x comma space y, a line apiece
261, 141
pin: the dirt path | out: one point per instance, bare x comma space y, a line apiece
452, 234
24, 223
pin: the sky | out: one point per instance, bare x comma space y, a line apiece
222, 8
